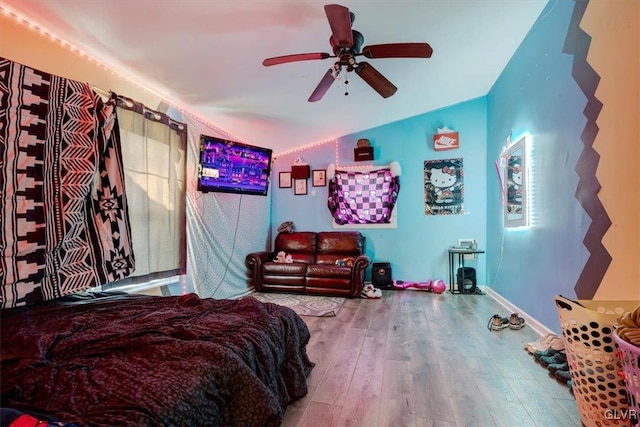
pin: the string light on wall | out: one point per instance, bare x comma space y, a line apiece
336, 143
531, 180
368, 166
55, 39
307, 147
184, 110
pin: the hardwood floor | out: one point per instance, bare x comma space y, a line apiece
419, 359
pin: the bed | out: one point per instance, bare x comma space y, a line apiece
138, 360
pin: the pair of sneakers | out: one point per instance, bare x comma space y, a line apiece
498, 323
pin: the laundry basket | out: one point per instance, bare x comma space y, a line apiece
587, 328
629, 356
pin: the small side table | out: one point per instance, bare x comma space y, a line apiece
460, 252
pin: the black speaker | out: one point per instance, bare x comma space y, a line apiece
468, 286
381, 275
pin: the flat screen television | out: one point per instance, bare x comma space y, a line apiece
233, 167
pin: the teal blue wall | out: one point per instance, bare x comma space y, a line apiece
537, 94
417, 249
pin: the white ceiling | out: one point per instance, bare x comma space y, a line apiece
206, 55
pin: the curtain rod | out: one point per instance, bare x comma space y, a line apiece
139, 107
100, 91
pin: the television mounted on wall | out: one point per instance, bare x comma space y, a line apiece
233, 167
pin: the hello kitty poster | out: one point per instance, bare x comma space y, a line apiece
514, 185
443, 187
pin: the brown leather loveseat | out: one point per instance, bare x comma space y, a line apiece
314, 269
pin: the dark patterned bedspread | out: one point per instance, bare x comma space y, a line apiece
139, 360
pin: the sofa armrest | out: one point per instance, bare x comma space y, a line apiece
360, 264
254, 263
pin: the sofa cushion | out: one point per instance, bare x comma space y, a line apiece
305, 258
340, 243
328, 270
303, 242
328, 285
283, 269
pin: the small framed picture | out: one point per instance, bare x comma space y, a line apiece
300, 187
285, 180
319, 178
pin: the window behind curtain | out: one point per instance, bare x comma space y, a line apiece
154, 158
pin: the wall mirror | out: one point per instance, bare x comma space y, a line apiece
515, 182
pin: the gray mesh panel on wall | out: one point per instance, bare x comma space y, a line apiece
221, 230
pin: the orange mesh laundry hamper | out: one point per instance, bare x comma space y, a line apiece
599, 390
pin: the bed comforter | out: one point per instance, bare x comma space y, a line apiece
139, 360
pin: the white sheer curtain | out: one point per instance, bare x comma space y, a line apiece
222, 229
154, 158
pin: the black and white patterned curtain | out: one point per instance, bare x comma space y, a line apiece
63, 209
357, 197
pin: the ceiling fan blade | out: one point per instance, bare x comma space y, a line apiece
340, 23
398, 50
323, 86
294, 58
376, 80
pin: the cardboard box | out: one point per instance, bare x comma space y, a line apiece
446, 141
361, 154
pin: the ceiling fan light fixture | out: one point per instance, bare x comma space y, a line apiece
353, 49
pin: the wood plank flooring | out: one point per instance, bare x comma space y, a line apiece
419, 359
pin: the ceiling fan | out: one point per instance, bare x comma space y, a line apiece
347, 46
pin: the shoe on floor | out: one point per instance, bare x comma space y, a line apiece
553, 367
563, 374
368, 291
539, 344
497, 323
544, 343
516, 322
546, 353
556, 358
557, 344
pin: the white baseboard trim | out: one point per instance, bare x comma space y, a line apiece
530, 321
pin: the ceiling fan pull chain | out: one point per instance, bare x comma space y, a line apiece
346, 87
